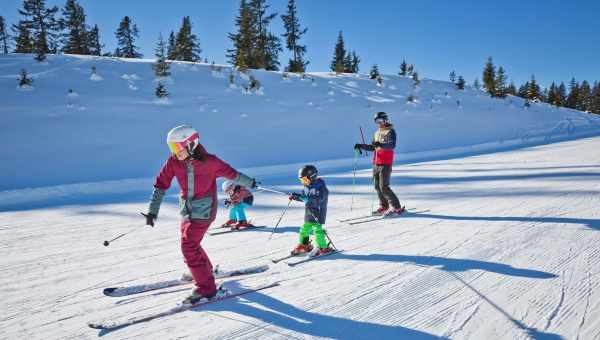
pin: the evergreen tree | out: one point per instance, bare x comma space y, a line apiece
186, 43
42, 25
415, 77
500, 83
584, 99
23, 39
460, 83
452, 77
292, 35
94, 45
348, 63
553, 97
596, 98
126, 35
161, 67
171, 46
573, 97
24, 80
511, 89
410, 70
533, 91
339, 55
4, 37
272, 52
403, 69
75, 37
523, 90
476, 84
562, 94
161, 91
374, 73
489, 77
354, 62
266, 45
243, 40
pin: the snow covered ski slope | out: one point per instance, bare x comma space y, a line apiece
509, 249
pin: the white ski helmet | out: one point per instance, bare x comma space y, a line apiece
182, 137
227, 185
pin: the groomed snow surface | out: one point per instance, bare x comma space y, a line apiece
501, 246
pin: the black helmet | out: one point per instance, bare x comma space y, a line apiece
380, 116
309, 171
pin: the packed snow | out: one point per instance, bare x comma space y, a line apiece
500, 241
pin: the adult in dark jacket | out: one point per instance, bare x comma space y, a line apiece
384, 142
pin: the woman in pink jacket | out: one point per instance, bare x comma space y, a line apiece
196, 172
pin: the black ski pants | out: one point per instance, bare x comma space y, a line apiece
381, 180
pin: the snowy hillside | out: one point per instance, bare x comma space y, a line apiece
500, 246
501, 240
74, 126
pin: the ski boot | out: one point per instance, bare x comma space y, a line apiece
322, 251
196, 297
380, 211
394, 212
242, 225
228, 224
301, 249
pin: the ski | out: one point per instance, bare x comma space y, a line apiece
130, 290
289, 256
114, 325
310, 258
221, 231
366, 216
384, 217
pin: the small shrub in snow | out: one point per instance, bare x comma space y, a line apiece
254, 84
161, 91
285, 76
411, 99
231, 80
95, 76
24, 80
379, 81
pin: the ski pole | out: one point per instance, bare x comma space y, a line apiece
324, 231
354, 178
362, 136
271, 190
107, 243
280, 218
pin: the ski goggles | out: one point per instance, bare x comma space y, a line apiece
380, 120
176, 147
305, 180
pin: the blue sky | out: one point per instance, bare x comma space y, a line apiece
555, 40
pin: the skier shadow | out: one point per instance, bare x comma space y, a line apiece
286, 316
588, 222
449, 265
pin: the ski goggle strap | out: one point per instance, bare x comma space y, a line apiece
177, 147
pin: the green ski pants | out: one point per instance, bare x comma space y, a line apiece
307, 229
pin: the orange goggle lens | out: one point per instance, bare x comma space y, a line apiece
175, 147
305, 180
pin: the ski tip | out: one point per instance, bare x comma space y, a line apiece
95, 325
109, 291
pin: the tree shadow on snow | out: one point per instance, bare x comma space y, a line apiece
284, 315
448, 264
587, 222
